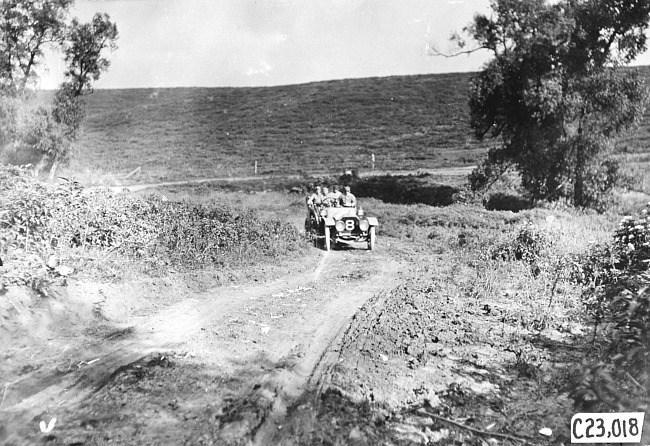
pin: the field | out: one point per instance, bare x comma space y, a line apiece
179, 325
408, 123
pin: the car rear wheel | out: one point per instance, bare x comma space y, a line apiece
328, 242
309, 232
371, 238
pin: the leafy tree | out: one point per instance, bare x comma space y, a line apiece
68, 109
48, 137
83, 48
83, 51
29, 133
556, 91
8, 117
26, 27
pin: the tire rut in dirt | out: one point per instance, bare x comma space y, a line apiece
283, 388
226, 395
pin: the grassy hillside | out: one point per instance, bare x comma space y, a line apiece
407, 122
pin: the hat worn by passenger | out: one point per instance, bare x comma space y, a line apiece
347, 188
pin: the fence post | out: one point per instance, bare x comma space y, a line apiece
255, 167
372, 157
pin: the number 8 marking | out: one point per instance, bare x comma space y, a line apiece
349, 225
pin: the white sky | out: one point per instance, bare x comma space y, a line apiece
219, 43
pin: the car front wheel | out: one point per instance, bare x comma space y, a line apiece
371, 238
328, 242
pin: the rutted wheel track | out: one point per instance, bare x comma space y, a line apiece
294, 344
301, 368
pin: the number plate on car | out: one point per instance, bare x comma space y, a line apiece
350, 224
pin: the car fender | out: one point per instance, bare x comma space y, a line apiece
329, 221
372, 221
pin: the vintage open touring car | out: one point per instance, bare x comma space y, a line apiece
330, 225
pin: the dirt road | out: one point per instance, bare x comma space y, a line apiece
444, 171
160, 363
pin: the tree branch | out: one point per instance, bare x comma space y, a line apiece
498, 132
523, 439
434, 52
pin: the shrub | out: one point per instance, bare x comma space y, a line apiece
529, 244
40, 220
599, 183
632, 242
31, 134
617, 295
405, 190
506, 202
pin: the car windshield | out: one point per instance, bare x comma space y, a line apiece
340, 212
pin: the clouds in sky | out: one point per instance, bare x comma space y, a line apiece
168, 43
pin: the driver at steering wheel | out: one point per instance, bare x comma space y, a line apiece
331, 199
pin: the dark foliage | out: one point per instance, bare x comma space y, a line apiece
506, 202
554, 95
404, 190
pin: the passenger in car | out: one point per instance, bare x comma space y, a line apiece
326, 192
337, 193
317, 197
314, 202
347, 199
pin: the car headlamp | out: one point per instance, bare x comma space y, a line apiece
364, 225
340, 226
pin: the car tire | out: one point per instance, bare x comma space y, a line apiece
328, 242
371, 238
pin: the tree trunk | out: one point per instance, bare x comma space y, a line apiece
55, 165
42, 164
579, 184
